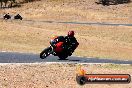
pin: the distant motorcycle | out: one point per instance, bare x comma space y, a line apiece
7, 16
18, 17
50, 50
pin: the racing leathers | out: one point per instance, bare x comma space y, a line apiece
71, 43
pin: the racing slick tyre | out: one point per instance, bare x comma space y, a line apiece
46, 52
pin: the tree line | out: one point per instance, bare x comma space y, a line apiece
4, 2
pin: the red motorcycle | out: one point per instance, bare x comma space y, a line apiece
59, 51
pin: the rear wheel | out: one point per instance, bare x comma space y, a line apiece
45, 53
21, 18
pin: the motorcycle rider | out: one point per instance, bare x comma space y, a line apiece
71, 42
66, 43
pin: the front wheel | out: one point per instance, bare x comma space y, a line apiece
45, 53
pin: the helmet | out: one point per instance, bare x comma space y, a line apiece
70, 34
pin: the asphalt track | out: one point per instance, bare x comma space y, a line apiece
82, 23
15, 57
72, 22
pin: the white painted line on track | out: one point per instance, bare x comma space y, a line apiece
3, 51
